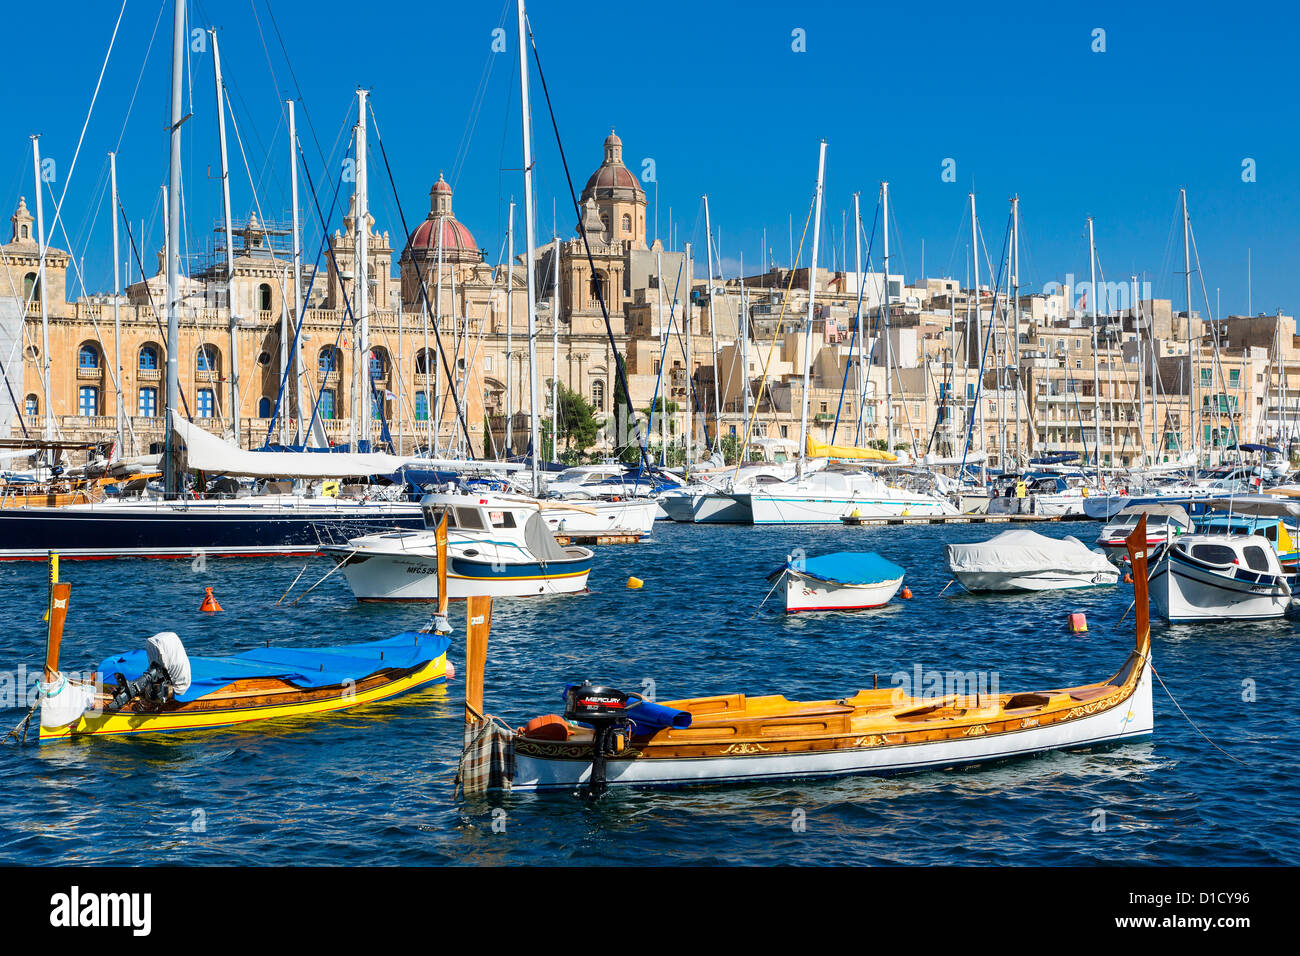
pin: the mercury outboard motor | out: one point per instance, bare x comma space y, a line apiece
605, 709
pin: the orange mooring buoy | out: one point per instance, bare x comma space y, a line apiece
907, 594
1078, 623
1128, 578
209, 602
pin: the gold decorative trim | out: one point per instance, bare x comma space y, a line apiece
742, 749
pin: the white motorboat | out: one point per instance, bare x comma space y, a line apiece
1211, 577
1049, 496
719, 504
841, 581
625, 516
497, 545
826, 496
1164, 523
1020, 560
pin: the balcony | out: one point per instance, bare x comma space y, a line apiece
93, 374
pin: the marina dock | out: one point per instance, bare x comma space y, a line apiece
955, 519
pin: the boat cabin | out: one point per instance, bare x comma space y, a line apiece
470, 513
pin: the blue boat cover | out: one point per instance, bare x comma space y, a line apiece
648, 717
300, 666
847, 567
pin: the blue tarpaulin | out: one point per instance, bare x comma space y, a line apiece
648, 717
300, 666
848, 567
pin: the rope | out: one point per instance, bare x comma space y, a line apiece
779, 578
22, 726
1189, 719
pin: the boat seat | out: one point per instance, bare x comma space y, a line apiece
816, 710
1028, 701
1089, 693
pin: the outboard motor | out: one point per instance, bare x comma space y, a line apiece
168, 674
605, 709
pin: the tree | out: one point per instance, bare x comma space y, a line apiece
577, 420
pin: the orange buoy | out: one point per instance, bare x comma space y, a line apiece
907, 594
1078, 623
546, 727
1128, 578
450, 671
209, 602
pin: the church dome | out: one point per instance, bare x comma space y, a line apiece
612, 174
457, 241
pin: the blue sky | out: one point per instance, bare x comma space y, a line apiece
718, 98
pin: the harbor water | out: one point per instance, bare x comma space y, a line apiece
375, 785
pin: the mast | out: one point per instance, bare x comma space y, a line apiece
1096, 379
555, 346
171, 479
1191, 377
117, 317
40, 283
977, 407
689, 437
1142, 394
510, 318
862, 342
361, 282
435, 403
812, 296
230, 247
1015, 308
527, 132
297, 277
713, 329
663, 351
889, 349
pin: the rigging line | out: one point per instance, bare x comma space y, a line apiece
424, 291
144, 63
476, 108
67, 180
1189, 719
619, 364
149, 294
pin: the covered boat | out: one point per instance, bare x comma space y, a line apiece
1021, 560
161, 689
841, 581
605, 739
1164, 523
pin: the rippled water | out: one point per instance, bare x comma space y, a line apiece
374, 786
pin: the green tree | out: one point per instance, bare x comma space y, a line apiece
577, 421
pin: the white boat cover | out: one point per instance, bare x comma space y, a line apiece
206, 452
1019, 551
165, 648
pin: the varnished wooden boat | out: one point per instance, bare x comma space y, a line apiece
733, 737
209, 693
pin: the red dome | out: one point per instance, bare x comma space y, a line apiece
455, 237
611, 177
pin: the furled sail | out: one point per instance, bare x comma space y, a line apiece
818, 449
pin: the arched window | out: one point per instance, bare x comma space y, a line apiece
88, 400
329, 360
421, 407
147, 404
29, 287
264, 407
148, 358
264, 297
378, 363
598, 285
423, 358
88, 355
627, 224
206, 404
32, 406
25, 234
598, 395
207, 359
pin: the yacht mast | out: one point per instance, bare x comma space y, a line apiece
1096, 379
171, 477
117, 317
298, 403
713, 329
1191, 376
529, 244
862, 342
812, 297
40, 290
1015, 309
510, 318
361, 282
977, 407
555, 345
889, 348
230, 245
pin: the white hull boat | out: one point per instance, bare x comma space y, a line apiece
843, 581
496, 545
1214, 577
825, 497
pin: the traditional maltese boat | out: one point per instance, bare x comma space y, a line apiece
161, 689
607, 738
841, 581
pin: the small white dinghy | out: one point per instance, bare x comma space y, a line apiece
842, 581
1027, 561
1216, 577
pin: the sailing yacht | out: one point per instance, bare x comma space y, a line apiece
831, 493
